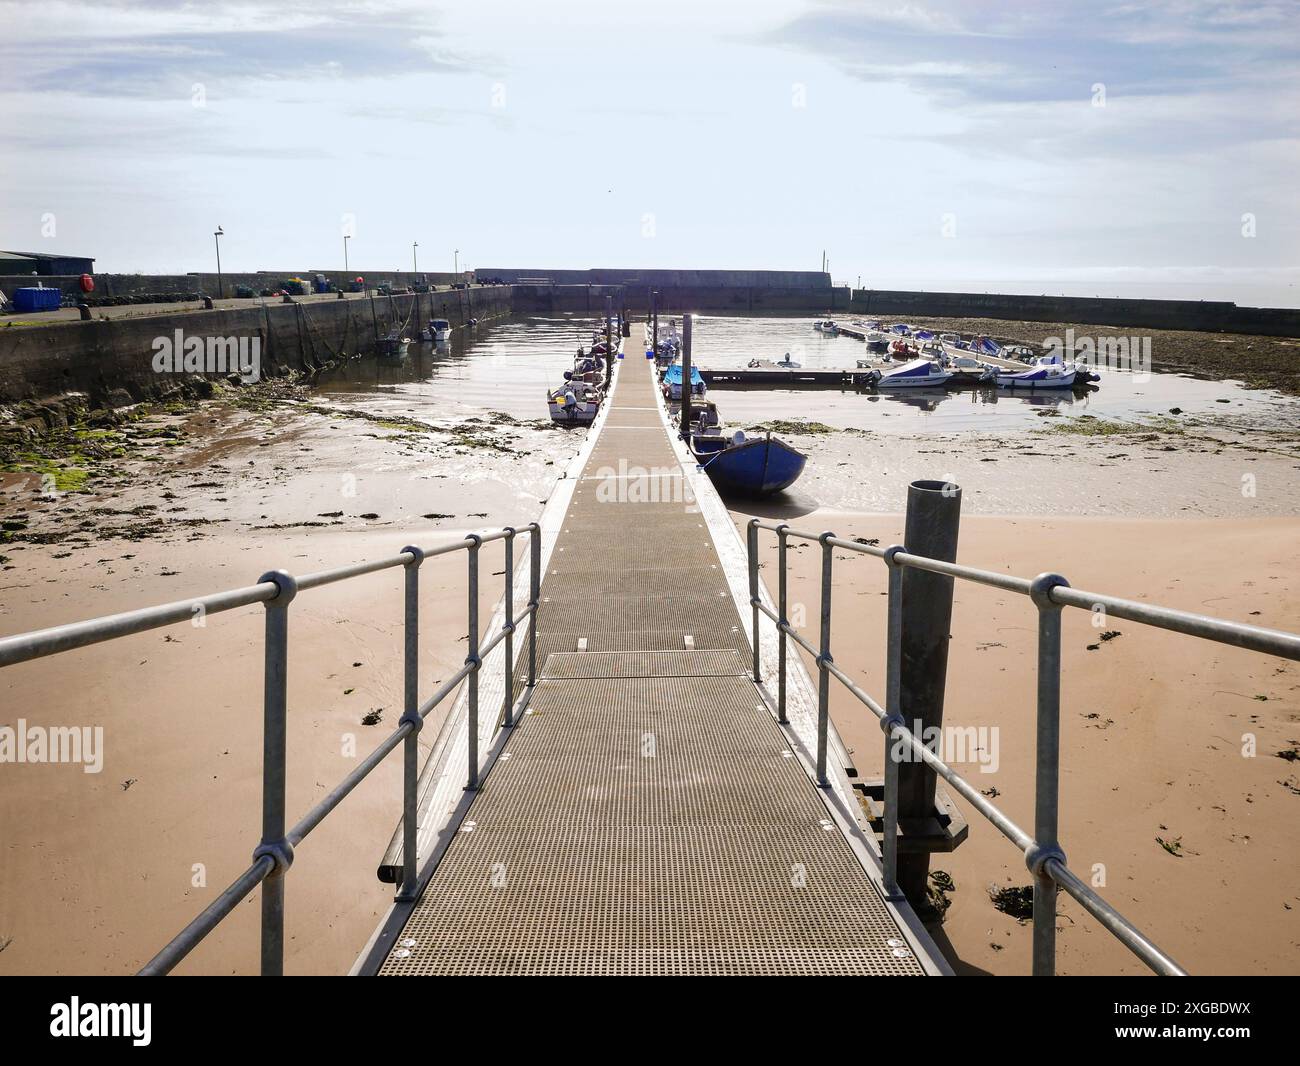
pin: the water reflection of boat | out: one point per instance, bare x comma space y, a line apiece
738, 464
921, 400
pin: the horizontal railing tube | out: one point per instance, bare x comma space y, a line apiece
211, 916
1120, 927
39, 643
1238, 634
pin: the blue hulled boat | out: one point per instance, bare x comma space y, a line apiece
740, 465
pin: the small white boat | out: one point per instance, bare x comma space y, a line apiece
787, 363
1044, 374
438, 330
917, 374
672, 383
877, 342
574, 403
827, 326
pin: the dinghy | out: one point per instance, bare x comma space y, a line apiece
740, 465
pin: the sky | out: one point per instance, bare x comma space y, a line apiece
1105, 148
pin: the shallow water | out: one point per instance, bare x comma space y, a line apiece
723, 342
508, 364
504, 364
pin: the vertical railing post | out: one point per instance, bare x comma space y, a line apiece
781, 539
1047, 774
824, 660
508, 709
410, 717
684, 418
931, 528
892, 720
472, 661
751, 548
274, 701
534, 597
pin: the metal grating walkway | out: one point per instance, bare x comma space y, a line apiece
646, 817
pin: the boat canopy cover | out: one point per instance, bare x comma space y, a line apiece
673, 375
924, 335
988, 347
917, 368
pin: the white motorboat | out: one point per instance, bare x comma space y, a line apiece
877, 342
827, 326
916, 374
1044, 374
574, 403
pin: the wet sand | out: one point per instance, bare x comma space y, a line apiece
1152, 731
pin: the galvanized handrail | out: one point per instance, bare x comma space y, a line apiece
274, 854
1050, 593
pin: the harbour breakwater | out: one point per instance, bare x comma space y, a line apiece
737, 298
110, 362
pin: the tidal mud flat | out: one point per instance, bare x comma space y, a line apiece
195, 497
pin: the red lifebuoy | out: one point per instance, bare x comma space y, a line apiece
87, 283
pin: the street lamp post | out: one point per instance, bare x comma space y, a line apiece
415, 263
455, 262
221, 288
345, 252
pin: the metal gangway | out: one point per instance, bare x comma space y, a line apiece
645, 802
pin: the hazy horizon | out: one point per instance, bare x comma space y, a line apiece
1122, 150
